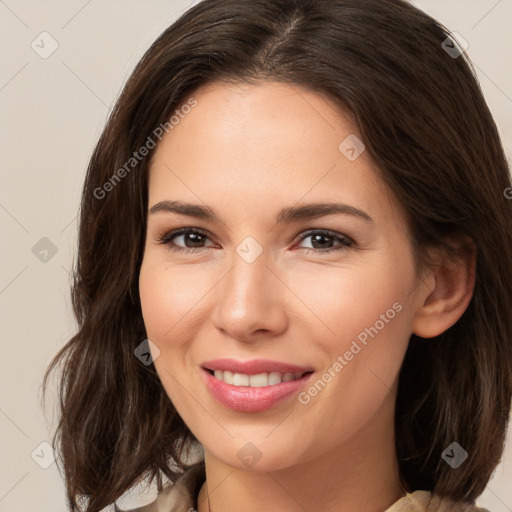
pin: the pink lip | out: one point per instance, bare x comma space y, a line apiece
254, 366
247, 398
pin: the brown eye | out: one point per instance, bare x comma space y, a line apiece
190, 240
322, 241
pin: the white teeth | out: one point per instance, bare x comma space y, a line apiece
274, 378
240, 379
258, 381
255, 381
227, 377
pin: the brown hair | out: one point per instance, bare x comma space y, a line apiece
425, 123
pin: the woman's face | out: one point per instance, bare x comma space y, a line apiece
263, 284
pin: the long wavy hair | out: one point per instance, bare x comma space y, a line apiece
424, 121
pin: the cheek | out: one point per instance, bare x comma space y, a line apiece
170, 298
345, 301
335, 304
167, 301
365, 326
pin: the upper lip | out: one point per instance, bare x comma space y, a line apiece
254, 366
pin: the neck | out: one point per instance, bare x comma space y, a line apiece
359, 474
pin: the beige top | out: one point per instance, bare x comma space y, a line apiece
182, 497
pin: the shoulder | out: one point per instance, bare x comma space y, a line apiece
180, 496
425, 501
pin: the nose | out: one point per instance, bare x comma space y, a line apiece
250, 301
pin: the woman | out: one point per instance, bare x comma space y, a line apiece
306, 198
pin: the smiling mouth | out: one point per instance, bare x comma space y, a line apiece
258, 380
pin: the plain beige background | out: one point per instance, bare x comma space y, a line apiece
52, 111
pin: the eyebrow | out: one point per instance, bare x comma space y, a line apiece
284, 216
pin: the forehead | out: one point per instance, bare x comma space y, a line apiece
255, 145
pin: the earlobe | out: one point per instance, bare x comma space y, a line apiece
441, 305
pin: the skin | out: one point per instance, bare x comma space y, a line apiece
247, 151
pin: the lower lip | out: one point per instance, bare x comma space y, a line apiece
249, 399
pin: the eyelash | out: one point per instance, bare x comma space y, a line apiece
167, 237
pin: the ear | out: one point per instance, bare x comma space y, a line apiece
447, 291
